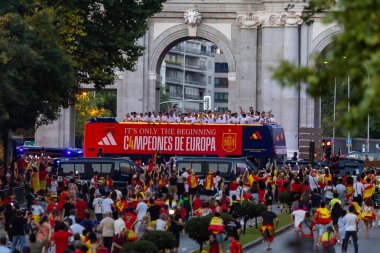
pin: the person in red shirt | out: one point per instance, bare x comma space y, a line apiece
233, 187
53, 204
130, 219
235, 245
81, 207
61, 237
197, 203
214, 247
62, 198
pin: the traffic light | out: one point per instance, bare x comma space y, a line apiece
328, 149
323, 145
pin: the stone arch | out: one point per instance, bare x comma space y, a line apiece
323, 40
318, 45
169, 38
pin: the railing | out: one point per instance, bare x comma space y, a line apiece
187, 81
192, 51
198, 67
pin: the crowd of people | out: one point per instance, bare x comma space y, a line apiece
72, 216
208, 117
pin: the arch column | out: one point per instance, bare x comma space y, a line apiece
290, 95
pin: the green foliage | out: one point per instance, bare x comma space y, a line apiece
259, 208
164, 97
92, 104
162, 239
36, 77
354, 53
285, 197
197, 229
49, 47
140, 246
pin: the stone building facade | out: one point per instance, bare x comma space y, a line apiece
254, 35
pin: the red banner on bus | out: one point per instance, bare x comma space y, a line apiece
177, 139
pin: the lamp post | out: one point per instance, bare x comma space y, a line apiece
369, 81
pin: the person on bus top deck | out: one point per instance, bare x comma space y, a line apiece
295, 156
100, 153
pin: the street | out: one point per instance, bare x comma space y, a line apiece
281, 243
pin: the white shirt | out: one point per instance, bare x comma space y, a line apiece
98, 204
54, 187
350, 220
161, 224
37, 210
299, 216
107, 205
358, 189
77, 228
119, 225
141, 210
313, 181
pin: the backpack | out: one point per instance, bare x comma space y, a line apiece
306, 228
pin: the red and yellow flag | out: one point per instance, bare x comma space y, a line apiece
349, 191
323, 216
193, 181
216, 225
368, 191
208, 182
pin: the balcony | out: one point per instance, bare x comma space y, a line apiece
191, 51
177, 80
197, 67
195, 97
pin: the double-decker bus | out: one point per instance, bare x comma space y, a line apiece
142, 140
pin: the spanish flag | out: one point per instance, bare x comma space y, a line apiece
349, 191
193, 181
368, 191
216, 225
132, 236
121, 205
368, 215
208, 182
323, 216
358, 210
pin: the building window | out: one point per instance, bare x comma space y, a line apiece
221, 67
221, 97
209, 80
209, 65
221, 82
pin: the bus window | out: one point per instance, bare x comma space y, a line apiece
196, 167
185, 165
67, 168
96, 167
80, 168
224, 168
106, 168
125, 168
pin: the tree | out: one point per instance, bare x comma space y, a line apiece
49, 47
162, 239
197, 229
164, 97
86, 107
36, 76
355, 54
140, 246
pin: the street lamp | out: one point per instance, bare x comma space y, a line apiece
369, 81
